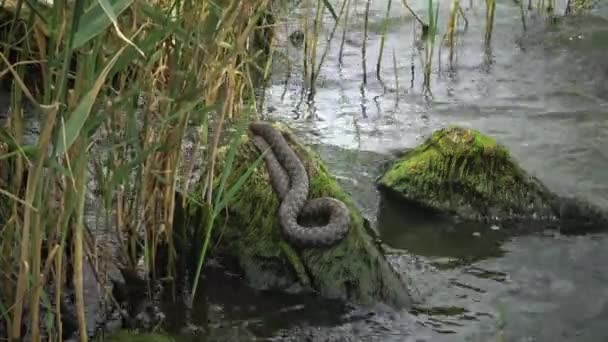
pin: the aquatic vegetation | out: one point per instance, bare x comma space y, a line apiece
117, 87
455, 11
429, 30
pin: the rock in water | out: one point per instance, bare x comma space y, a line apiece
464, 173
249, 232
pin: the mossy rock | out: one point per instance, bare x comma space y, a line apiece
355, 269
464, 173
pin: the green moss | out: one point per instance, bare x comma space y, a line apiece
581, 6
464, 172
130, 336
355, 269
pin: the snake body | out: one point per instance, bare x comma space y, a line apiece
290, 182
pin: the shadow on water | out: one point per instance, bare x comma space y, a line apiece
427, 233
226, 309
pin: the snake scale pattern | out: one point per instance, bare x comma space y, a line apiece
290, 182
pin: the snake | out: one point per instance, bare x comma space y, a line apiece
290, 182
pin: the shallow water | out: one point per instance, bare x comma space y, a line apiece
541, 93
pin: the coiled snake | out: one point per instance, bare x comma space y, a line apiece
289, 180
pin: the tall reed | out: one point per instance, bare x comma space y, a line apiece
116, 86
383, 38
490, 10
433, 14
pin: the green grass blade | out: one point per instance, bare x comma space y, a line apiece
229, 161
161, 19
80, 114
147, 44
209, 215
238, 184
107, 8
208, 219
29, 151
95, 22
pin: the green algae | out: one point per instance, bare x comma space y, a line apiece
463, 172
355, 269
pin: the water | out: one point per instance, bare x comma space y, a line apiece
541, 93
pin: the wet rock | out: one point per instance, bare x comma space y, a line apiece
469, 175
354, 269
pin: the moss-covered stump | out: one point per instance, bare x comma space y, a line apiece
355, 269
464, 173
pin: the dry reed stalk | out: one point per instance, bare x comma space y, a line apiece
383, 38
344, 32
364, 43
490, 9
405, 4
307, 40
31, 188
80, 187
313, 54
328, 42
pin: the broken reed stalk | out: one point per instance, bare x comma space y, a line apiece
340, 53
307, 41
452, 22
413, 54
383, 38
328, 42
313, 54
490, 9
450, 35
422, 23
395, 71
523, 15
430, 45
464, 17
364, 43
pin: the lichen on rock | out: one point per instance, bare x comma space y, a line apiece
249, 232
465, 173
